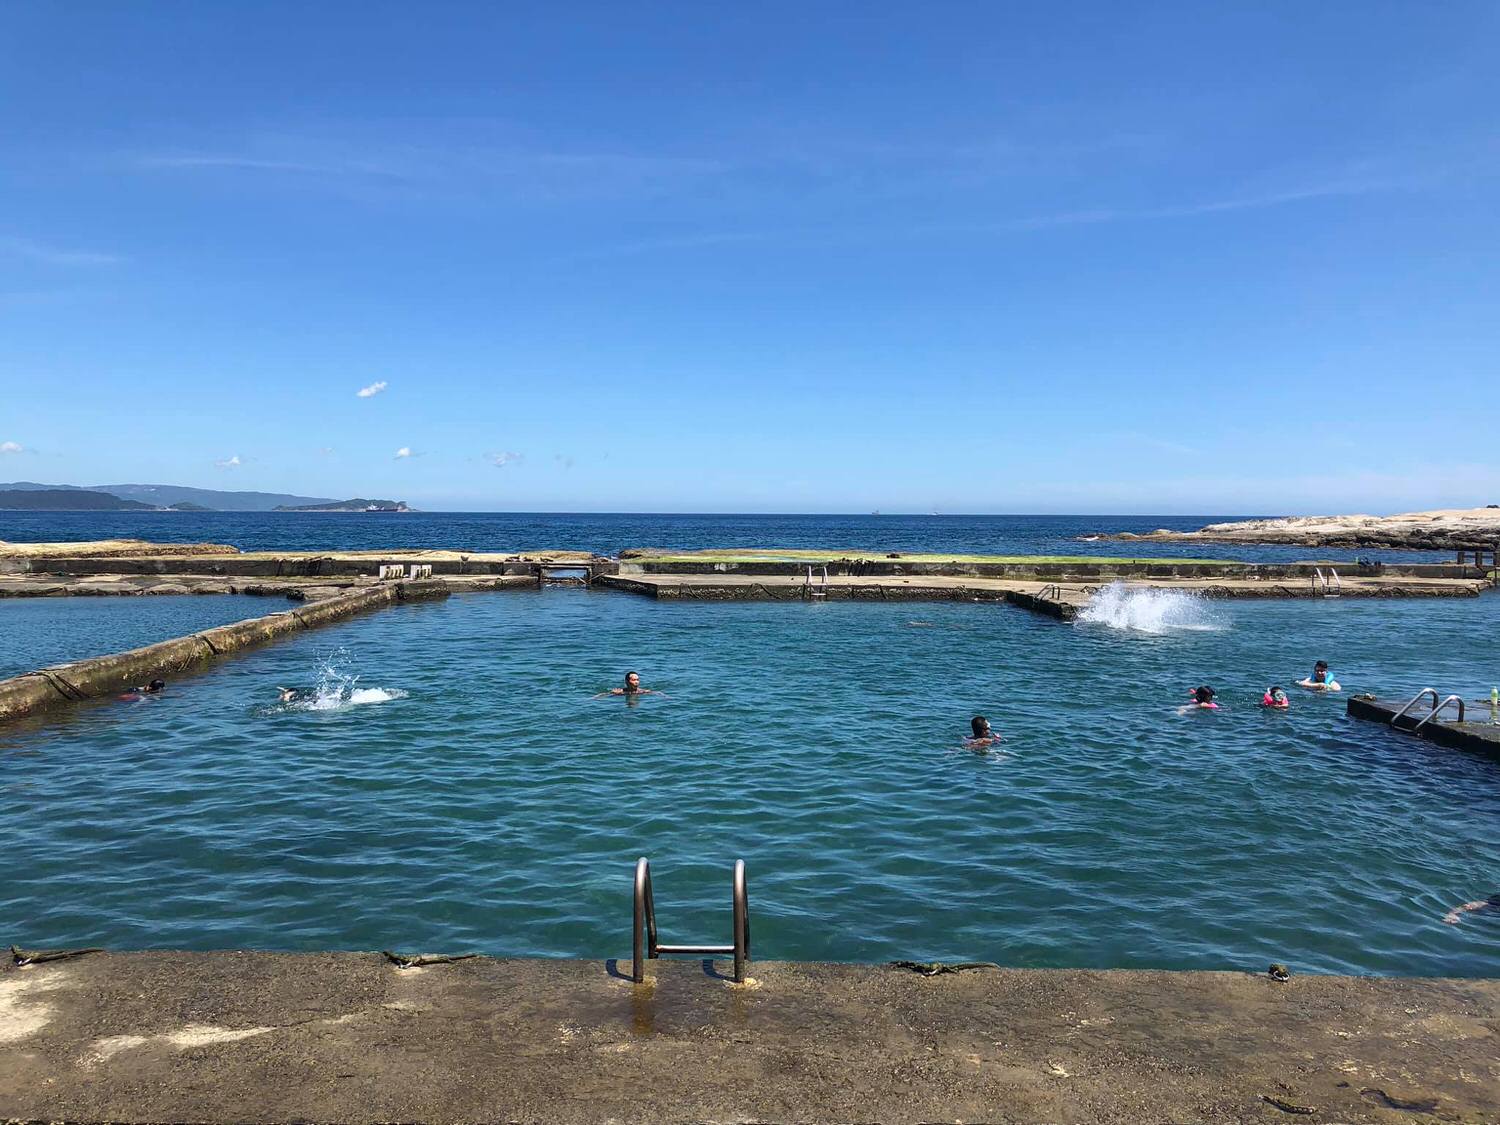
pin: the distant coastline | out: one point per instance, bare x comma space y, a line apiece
1440, 529
30, 496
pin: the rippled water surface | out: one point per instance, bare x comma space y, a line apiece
36, 632
494, 806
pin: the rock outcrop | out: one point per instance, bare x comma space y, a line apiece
1442, 530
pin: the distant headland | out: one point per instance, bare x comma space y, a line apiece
33, 497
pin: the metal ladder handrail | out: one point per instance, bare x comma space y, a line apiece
1050, 592
1414, 700
645, 925
1438, 709
1338, 586
822, 591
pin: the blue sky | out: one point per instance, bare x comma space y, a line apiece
983, 257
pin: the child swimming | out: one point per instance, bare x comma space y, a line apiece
145, 691
1321, 679
1203, 700
1276, 698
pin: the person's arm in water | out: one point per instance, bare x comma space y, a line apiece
1453, 915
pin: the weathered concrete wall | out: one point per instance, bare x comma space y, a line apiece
106, 675
287, 566
1074, 571
257, 1037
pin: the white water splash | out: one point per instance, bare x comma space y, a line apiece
1148, 610
337, 688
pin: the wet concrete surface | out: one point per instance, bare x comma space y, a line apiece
247, 1037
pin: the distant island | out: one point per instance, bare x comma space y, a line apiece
358, 504
34, 497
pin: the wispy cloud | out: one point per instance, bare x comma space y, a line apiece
53, 255
564, 459
1250, 202
372, 390
326, 451
11, 447
229, 463
500, 460
455, 158
403, 453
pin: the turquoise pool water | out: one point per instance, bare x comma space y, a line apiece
481, 800
37, 632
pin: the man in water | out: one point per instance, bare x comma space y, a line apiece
155, 687
1321, 679
632, 688
983, 737
288, 694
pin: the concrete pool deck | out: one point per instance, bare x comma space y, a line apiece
349, 1037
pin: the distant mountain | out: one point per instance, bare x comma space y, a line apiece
66, 500
358, 504
168, 495
165, 495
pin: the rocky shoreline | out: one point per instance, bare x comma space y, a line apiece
1447, 529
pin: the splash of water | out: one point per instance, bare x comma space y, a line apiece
1148, 610
337, 687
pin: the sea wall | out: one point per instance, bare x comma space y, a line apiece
100, 676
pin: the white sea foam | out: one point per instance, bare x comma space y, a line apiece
337, 688
1148, 610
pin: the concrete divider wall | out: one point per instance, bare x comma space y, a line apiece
279, 567
100, 676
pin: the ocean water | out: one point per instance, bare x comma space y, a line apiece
448, 784
37, 632
610, 533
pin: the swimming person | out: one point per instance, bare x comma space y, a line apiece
289, 694
135, 694
1276, 698
1453, 916
983, 736
1321, 679
1203, 700
632, 688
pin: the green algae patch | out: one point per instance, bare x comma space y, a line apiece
765, 554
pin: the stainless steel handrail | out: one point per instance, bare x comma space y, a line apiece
1414, 700
1050, 592
1438, 709
644, 942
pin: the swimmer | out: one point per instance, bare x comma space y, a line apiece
135, 694
983, 736
1275, 698
1203, 700
1321, 679
289, 694
631, 689
1453, 916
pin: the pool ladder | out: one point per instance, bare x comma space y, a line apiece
643, 938
1438, 705
1328, 585
819, 591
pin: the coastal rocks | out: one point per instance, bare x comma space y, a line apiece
1440, 530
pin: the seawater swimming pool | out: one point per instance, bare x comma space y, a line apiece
494, 806
38, 632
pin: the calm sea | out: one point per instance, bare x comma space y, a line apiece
610, 533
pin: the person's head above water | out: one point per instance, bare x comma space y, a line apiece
632, 682
980, 726
1320, 670
1203, 694
155, 686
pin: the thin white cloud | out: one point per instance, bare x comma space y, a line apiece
500, 460
229, 463
326, 451
11, 447
1336, 190
402, 453
372, 390
53, 255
